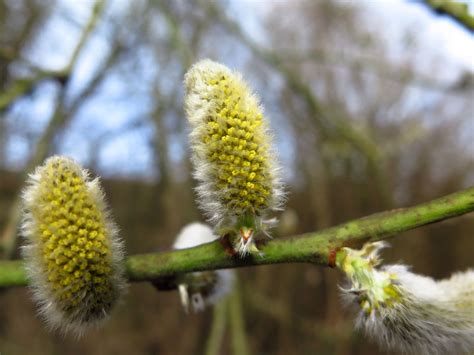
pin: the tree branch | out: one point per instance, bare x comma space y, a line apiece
318, 248
8, 236
22, 87
458, 11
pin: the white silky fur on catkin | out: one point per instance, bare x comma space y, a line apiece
423, 316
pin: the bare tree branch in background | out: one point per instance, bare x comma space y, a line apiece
22, 87
329, 123
333, 92
21, 34
8, 237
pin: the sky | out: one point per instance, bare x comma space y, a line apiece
437, 34
440, 33
393, 17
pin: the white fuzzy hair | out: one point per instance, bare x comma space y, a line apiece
199, 107
48, 307
428, 317
192, 235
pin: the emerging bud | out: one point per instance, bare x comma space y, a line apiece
205, 288
405, 311
73, 255
234, 163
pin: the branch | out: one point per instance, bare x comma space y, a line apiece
8, 236
317, 248
237, 323
217, 332
22, 87
95, 16
458, 11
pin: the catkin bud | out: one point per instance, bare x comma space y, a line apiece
205, 288
73, 254
233, 160
405, 311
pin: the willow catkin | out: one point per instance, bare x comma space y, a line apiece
72, 253
405, 311
237, 172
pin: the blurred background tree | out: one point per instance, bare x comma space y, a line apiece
372, 108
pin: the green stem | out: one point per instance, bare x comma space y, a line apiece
12, 273
216, 335
458, 11
237, 323
317, 248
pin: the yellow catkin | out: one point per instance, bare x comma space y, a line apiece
233, 160
72, 253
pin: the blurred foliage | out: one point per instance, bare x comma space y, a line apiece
362, 124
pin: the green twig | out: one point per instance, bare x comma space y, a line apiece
219, 319
317, 248
237, 323
458, 11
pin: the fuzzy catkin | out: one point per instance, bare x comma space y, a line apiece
408, 312
233, 160
73, 254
